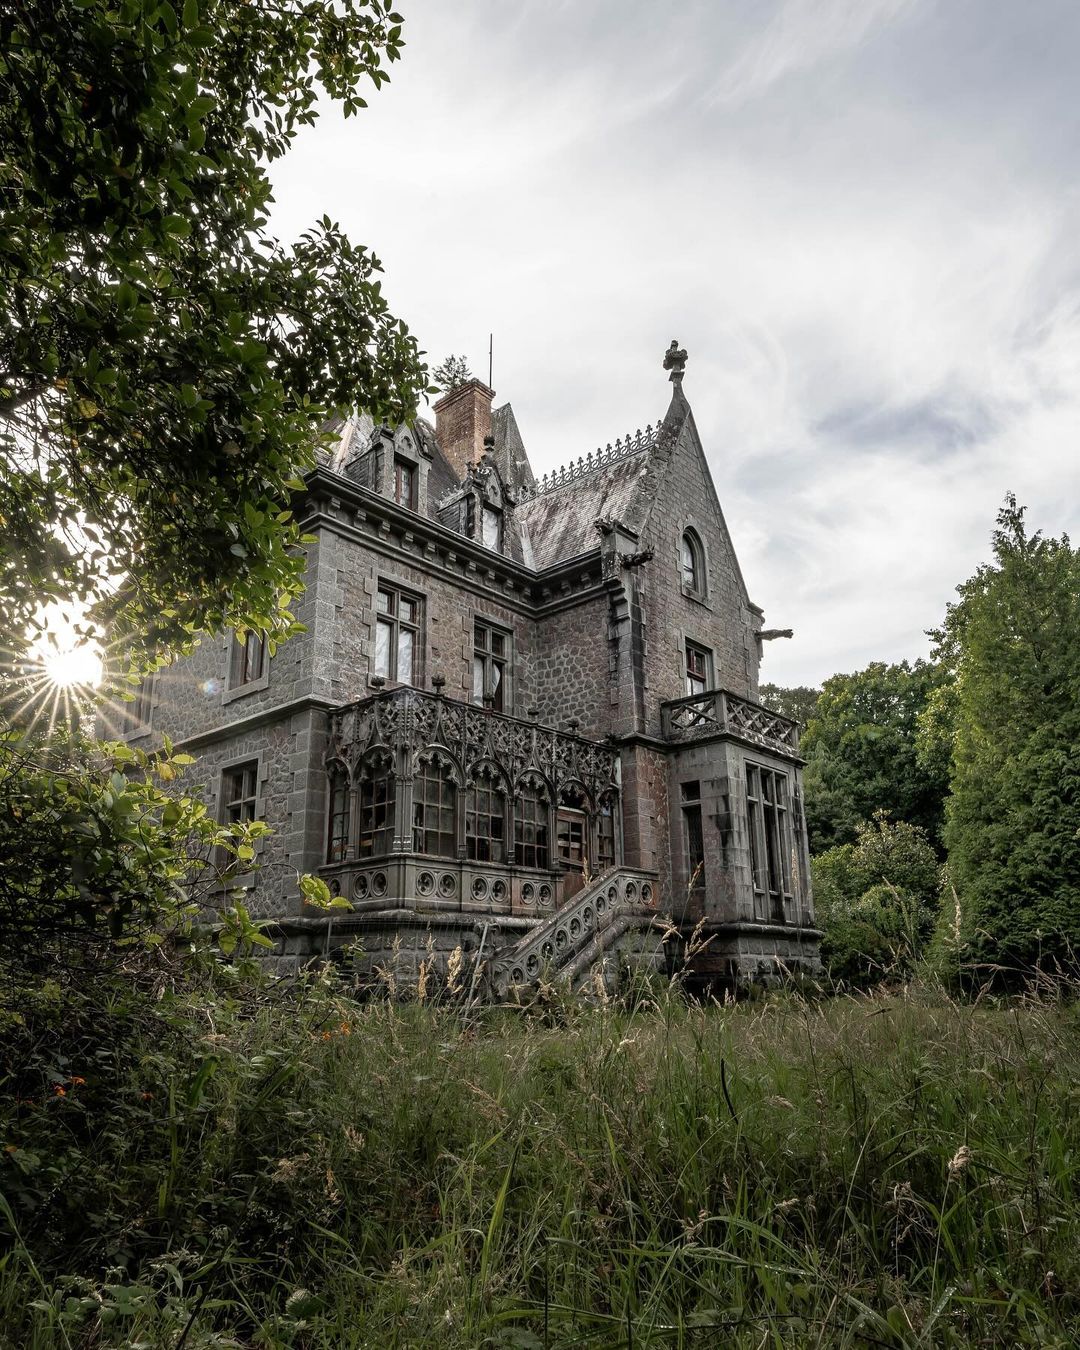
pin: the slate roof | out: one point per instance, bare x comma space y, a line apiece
560, 524
554, 519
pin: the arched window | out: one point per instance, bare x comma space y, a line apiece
376, 810
531, 813
434, 811
692, 559
338, 830
485, 822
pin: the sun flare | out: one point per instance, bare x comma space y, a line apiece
66, 667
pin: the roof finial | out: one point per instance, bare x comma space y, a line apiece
675, 361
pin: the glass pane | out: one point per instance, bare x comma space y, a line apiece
405, 656
385, 602
383, 636
498, 643
407, 609
497, 685
480, 634
478, 679
492, 528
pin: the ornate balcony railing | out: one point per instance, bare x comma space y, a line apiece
465, 737
719, 712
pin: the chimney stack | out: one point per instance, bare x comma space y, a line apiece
462, 421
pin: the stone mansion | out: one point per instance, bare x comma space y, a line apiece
523, 719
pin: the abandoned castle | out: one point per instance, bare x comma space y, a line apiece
523, 719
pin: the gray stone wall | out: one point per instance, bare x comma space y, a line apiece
291, 799
574, 674
722, 620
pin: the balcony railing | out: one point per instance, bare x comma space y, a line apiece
414, 721
718, 712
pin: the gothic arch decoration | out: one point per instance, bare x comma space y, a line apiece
575, 786
408, 722
438, 757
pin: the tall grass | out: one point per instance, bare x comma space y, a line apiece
890, 1170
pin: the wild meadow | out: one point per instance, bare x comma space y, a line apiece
238, 1165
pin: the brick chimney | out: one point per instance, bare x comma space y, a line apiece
462, 420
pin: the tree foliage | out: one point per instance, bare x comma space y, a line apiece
451, 374
799, 702
1011, 647
165, 365
862, 751
876, 899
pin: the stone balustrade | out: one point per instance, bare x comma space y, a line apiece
718, 712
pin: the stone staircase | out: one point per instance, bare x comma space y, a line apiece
566, 947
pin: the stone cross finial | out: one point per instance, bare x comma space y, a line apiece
675, 361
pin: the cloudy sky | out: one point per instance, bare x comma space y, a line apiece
860, 217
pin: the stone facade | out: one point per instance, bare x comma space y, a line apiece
507, 687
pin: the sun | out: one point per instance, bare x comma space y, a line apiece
68, 666
66, 658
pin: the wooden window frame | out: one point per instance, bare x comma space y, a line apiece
338, 815
692, 564
486, 660
375, 805
391, 619
406, 475
768, 800
484, 844
693, 834
433, 840
532, 828
691, 674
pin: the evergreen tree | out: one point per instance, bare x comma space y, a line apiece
1012, 647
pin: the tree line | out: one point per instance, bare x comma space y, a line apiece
942, 796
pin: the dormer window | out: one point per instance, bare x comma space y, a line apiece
492, 525
405, 484
692, 560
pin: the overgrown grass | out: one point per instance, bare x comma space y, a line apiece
892, 1170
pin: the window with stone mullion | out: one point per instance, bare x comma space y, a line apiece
491, 651
397, 635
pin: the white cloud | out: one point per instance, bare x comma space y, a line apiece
876, 270
802, 34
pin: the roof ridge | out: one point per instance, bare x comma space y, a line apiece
633, 443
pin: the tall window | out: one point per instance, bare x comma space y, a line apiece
491, 651
397, 635
695, 839
570, 827
405, 483
770, 848
698, 668
692, 560
434, 812
605, 837
136, 714
247, 659
376, 813
239, 793
485, 822
338, 829
492, 526
531, 828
